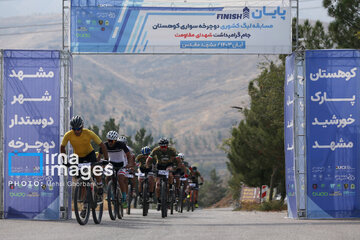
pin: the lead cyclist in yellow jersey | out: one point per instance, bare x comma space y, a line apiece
80, 138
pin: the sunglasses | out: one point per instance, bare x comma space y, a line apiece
163, 146
111, 141
76, 129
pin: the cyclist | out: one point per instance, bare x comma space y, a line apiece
130, 165
80, 139
194, 176
186, 174
116, 150
141, 161
180, 170
164, 157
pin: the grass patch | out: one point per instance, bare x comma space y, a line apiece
273, 206
266, 206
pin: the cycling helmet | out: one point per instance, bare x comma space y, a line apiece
76, 122
123, 139
112, 135
146, 150
181, 156
163, 141
194, 168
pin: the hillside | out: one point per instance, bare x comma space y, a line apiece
186, 97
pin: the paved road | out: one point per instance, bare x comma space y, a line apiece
219, 224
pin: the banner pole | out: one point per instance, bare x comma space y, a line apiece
1, 137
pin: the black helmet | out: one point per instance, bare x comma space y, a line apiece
76, 122
194, 168
163, 141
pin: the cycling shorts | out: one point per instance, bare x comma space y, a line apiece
91, 157
163, 167
179, 172
117, 166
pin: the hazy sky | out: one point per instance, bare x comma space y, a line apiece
309, 9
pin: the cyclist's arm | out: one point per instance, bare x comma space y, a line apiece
149, 161
99, 157
202, 179
131, 162
104, 151
64, 143
180, 164
62, 149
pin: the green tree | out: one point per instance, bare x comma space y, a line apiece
96, 130
109, 125
212, 191
345, 29
256, 149
141, 140
314, 37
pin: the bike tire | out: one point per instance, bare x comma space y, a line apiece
136, 199
79, 204
129, 199
181, 199
97, 207
172, 200
112, 201
120, 209
188, 204
192, 201
145, 198
163, 199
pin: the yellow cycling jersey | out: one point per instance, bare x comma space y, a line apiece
81, 144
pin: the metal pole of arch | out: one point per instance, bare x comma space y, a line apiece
300, 133
65, 24
1, 137
65, 205
297, 24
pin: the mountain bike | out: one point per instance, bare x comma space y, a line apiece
114, 197
86, 197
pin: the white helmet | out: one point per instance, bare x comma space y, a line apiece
123, 139
181, 156
112, 135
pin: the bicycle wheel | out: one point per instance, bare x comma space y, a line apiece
119, 208
172, 199
145, 198
181, 199
188, 203
81, 203
97, 206
192, 201
163, 199
135, 199
129, 199
111, 199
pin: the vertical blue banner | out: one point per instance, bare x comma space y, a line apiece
289, 135
31, 133
332, 133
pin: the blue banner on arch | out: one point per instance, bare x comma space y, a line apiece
332, 133
31, 133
